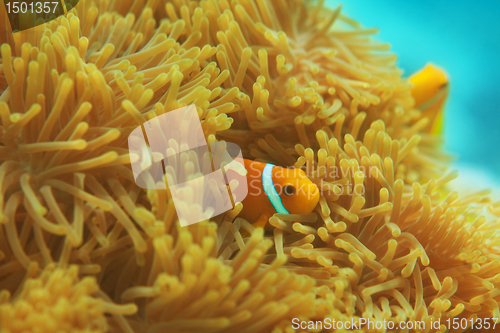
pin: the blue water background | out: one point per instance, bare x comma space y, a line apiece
463, 37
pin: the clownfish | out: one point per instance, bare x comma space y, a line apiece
430, 89
273, 189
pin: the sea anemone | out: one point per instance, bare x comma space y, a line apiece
58, 301
292, 83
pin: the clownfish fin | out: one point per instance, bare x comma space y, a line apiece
430, 90
262, 221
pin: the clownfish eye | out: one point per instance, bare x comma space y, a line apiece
288, 190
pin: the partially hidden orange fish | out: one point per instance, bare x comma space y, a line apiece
430, 89
273, 189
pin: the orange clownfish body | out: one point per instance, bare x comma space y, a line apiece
273, 189
430, 89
